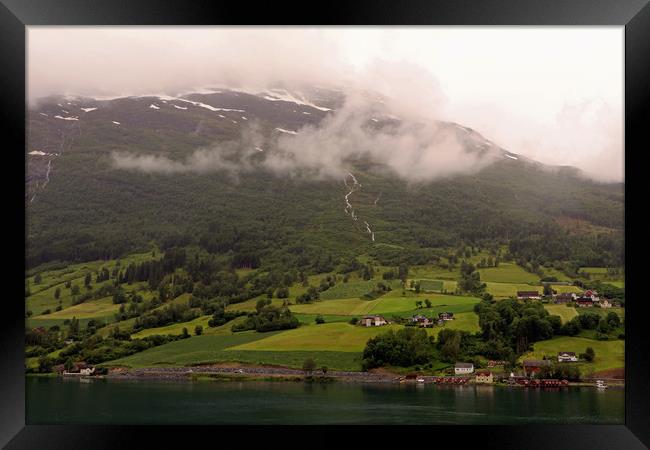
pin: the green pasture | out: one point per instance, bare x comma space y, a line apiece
566, 313
507, 273
609, 354
92, 309
431, 285
324, 337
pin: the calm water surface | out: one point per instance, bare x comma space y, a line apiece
69, 401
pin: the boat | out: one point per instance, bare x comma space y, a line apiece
600, 384
420, 380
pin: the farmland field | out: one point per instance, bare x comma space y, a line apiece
193, 350
507, 273
328, 336
431, 285
504, 289
343, 307
566, 313
609, 354
439, 303
466, 321
432, 272
91, 309
209, 348
353, 289
602, 311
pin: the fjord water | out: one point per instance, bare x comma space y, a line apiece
71, 401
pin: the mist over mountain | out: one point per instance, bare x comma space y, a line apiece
319, 169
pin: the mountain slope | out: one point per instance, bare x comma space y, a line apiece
80, 206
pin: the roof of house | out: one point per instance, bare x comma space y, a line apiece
566, 353
566, 295
483, 373
536, 362
462, 365
527, 293
584, 299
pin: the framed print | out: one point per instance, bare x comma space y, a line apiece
368, 216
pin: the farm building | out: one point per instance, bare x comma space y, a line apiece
591, 294
604, 303
567, 357
422, 321
528, 295
446, 315
532, 366
484, 376
373, 321
565, 297
463, 368
78, 368
584, 302
495, 363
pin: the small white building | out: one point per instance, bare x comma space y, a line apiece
462, 368
567, 357
373, 321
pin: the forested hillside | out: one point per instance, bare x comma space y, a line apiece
83, 207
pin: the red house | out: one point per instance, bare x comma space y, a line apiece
584, 302
532, 366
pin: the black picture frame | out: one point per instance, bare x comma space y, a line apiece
15, 15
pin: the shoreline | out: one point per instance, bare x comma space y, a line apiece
240, 373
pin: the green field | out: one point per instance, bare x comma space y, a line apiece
566, 313
507, 273
194, 350
465, 321
208, 349
324, 337
176, 328
503, 289
343, 307
101, 309
311, 318
405, 306
609, 354
552, 272
431, 285
432, 272
355, 289
602, 311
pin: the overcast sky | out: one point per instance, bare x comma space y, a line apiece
554, 94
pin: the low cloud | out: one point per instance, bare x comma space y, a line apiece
415, 148
552, 94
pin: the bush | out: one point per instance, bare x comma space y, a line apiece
309, 365
198, 330
319, 319
354, 320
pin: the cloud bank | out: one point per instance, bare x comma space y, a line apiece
552, 94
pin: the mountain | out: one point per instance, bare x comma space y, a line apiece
84, 203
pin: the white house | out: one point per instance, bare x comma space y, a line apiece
373, 321
567, 357
462, 368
